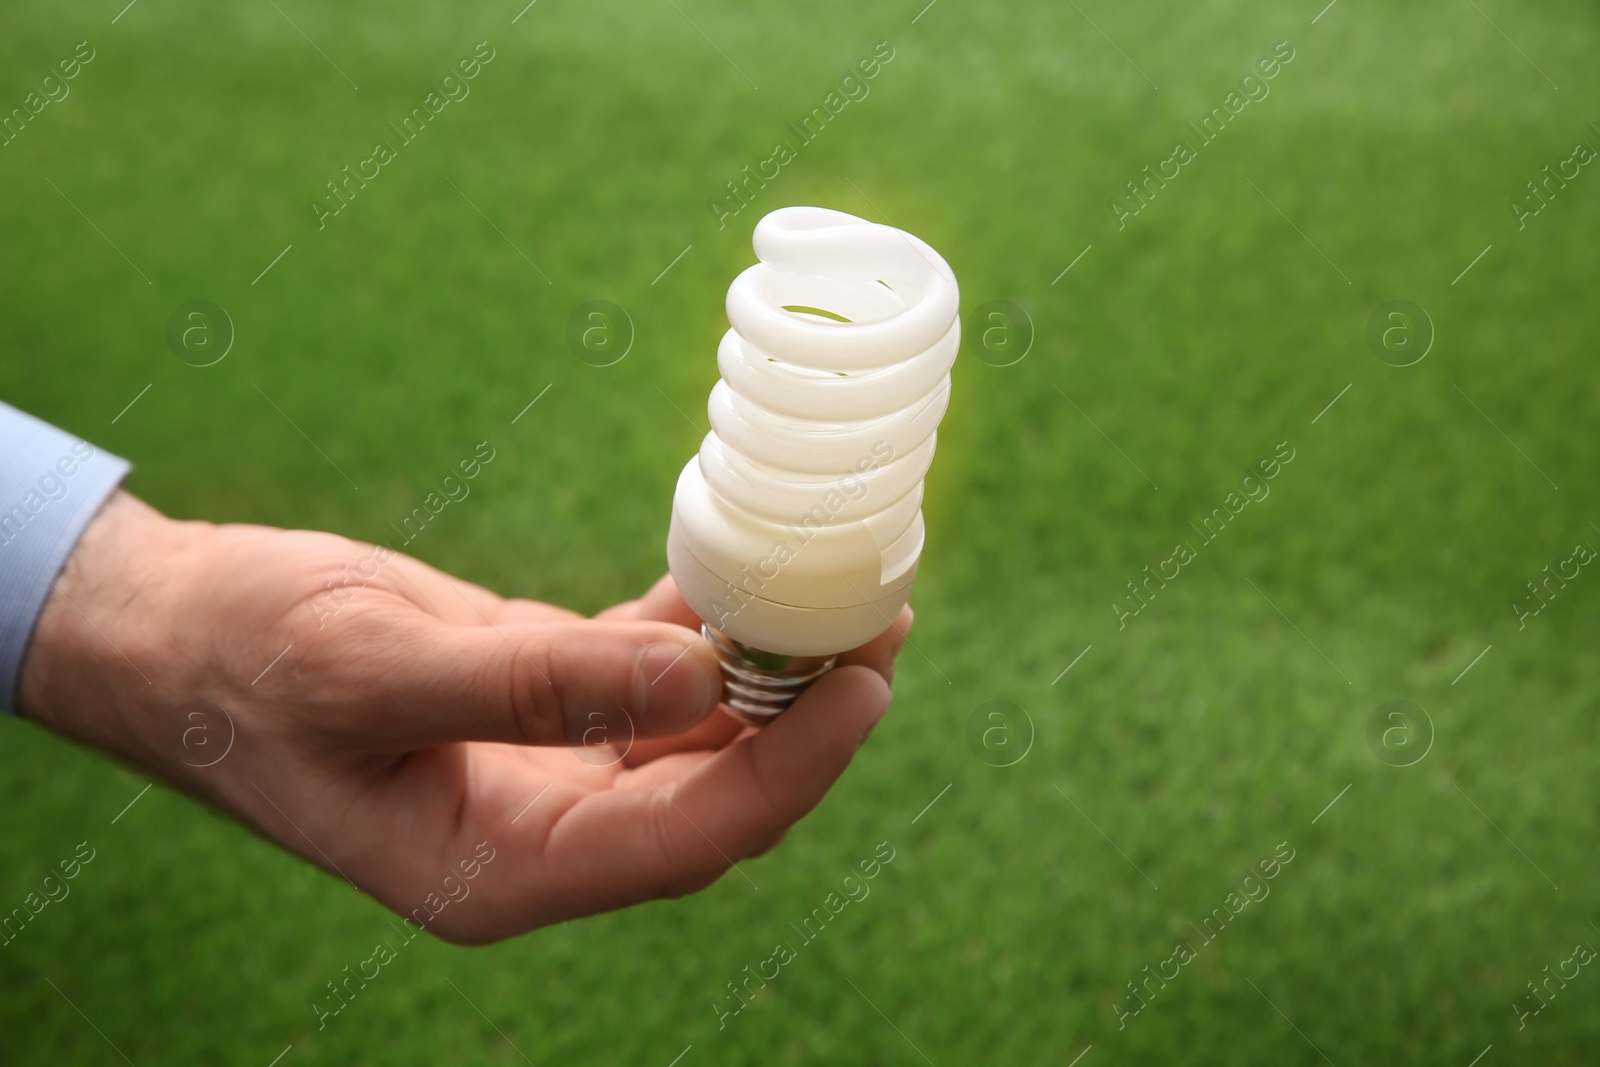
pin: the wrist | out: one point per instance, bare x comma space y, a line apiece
92, 662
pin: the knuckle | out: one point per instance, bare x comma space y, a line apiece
455, 930
770, 810
528, 671
684, 870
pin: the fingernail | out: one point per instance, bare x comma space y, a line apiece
671, 678
902, 633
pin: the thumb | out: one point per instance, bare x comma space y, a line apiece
567, 683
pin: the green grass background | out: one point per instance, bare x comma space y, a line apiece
1197, 338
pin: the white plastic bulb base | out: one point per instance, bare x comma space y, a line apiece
797, 528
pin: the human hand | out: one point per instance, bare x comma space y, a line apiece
386, 720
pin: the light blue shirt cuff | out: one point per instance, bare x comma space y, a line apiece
51, 485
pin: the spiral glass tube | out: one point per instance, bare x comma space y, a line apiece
797, 528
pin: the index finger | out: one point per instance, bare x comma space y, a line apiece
634, 844
662, 603
716, 731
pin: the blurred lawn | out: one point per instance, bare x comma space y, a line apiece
1219, 723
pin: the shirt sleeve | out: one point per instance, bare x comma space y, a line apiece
51, 485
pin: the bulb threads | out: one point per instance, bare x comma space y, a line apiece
759, 686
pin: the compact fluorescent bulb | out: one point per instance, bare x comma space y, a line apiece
797, 528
